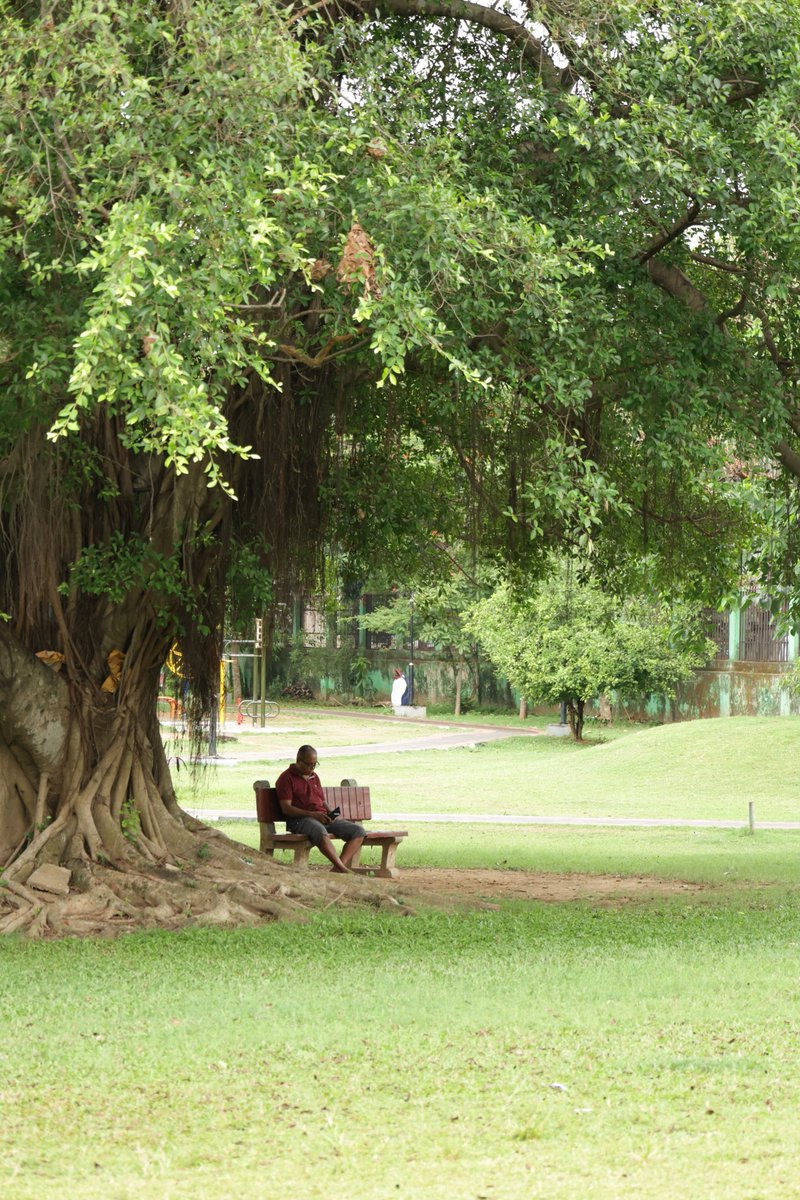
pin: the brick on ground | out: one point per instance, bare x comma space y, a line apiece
50, 878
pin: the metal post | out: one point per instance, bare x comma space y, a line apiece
411, 651
563, 712
212, 727
257, 662
263, 697
751, 816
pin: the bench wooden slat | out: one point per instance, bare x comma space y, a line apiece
362, 804
370, 838
335, 798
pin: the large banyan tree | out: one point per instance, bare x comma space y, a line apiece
280, 275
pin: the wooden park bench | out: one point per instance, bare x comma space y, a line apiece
354, 805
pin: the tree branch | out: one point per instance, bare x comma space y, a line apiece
673, 281
743, 89
710, 261
783, 364
322, 356
531, 48
789, 458
670, 234
738, 308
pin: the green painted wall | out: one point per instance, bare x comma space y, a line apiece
731, 688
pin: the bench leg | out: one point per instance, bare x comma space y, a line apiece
387, 869
301, 853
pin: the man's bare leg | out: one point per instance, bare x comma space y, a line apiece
349, 850
329, 850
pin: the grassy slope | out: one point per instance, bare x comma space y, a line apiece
701, 769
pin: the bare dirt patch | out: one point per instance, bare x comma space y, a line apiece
487, 885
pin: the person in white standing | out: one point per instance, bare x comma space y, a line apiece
399, 689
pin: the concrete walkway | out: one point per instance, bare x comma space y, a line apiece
434, 741
439, 722
247, 814
447, 737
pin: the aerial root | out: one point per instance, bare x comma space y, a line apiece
27, 911
275, 902
19, 892
16, 922
21, 867
39, 923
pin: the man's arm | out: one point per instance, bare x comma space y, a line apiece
291, 811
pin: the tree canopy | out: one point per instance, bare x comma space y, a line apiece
281, 277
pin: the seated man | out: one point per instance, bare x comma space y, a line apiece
303, 805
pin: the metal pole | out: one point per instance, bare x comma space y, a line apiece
256, 667
751, 816
411, 651
263, 720
563, 712
212, 727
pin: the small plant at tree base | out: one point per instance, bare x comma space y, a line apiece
129, 821
204, 852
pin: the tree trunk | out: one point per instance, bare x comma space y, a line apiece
575, 714
85, 787
523, 708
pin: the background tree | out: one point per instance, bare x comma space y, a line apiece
569, 640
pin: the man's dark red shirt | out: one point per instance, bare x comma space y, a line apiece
301, 791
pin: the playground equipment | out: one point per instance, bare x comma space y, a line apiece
254, 710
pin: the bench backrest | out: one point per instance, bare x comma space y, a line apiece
353, 801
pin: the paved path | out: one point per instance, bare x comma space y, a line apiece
447, 737
439, 722
433, 741
247, 814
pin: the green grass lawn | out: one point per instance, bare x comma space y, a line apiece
336, 727
560, 1051
713, 856
543, 1050
701, 769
